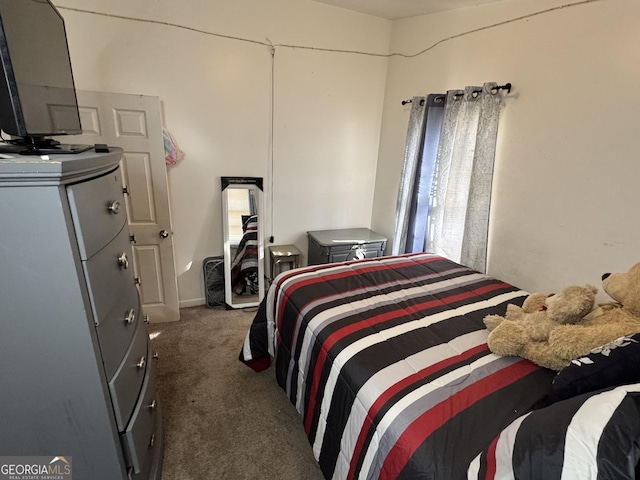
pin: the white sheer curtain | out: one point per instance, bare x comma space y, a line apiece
412, 152
457, 217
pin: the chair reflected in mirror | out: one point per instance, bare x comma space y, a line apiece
243, 241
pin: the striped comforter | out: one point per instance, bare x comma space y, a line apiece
386, 361
589, 436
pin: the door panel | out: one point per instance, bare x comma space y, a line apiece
132, 122
141, 204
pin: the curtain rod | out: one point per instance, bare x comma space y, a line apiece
506, 86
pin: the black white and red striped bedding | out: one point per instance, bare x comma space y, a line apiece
244, 266
590, 436
387, 363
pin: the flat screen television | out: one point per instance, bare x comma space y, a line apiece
37, 92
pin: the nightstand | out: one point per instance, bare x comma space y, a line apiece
330, 246
281, 256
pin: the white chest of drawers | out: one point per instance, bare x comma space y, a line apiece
76, 372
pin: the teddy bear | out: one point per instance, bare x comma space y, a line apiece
532, 304
539, 314
566, 342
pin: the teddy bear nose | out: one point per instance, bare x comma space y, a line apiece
605, 276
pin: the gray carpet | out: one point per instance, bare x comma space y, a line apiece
221, 419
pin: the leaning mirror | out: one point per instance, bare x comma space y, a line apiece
242, 214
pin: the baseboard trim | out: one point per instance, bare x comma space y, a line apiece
195, 302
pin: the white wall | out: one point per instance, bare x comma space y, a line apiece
568, 160
568, 155
216, 99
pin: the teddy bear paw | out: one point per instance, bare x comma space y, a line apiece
492, 321
508, 340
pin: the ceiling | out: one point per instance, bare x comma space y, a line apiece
394, 9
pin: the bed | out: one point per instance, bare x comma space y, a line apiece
244, 266
386, 361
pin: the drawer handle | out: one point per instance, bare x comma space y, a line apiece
152, 441
123, 261
146, 319
141, 363
114, 207
153, 405
130, 317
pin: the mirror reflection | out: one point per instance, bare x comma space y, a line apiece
243, 245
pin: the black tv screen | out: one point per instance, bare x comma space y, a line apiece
37, 92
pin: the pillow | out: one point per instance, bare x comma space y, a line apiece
588, 437
613, 364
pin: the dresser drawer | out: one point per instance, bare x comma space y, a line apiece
140, 438
110, 273
353, 252
98, 211
127, 381
116, 329
152, 468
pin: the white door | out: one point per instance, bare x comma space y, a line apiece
133, 123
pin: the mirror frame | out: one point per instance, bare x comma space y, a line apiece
249, 184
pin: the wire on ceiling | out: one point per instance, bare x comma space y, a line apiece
333, 50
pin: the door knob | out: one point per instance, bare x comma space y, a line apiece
164, 234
